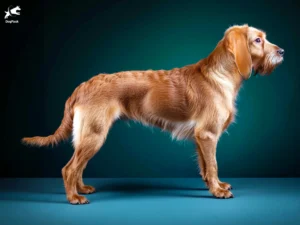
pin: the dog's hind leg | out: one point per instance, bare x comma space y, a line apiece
90, 130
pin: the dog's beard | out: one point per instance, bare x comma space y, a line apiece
267, 65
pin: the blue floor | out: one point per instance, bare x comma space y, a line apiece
151, 201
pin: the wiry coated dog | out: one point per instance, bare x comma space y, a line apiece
196, 101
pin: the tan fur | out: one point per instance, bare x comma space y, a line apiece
196, 102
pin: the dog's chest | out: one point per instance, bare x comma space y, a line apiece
227, 88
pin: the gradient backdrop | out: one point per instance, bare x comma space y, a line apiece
56, 46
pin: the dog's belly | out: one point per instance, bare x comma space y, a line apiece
183, 130
178, 129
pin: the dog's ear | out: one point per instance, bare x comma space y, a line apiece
238, 46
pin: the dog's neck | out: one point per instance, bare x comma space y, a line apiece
220, 66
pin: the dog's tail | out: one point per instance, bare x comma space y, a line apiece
62, 132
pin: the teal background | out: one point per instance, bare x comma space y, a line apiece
56, 46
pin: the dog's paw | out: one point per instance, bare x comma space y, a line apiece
78, 199
86, 189
225, 185
221, 193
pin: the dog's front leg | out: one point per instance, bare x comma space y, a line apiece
201, 164
207, 142
202, 167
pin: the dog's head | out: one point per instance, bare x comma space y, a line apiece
252, 50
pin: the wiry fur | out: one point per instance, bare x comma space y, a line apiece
196, 102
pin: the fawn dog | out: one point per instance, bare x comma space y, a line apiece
196, 102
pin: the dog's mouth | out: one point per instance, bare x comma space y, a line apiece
267, 66
277, 60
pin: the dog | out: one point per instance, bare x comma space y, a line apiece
13, 11
195, 102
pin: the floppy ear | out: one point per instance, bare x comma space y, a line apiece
239, 48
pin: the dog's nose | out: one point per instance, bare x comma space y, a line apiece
280, 51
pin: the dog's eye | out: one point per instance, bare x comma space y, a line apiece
257, 40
